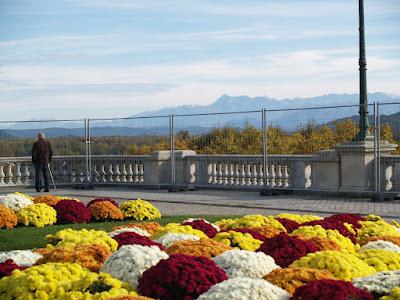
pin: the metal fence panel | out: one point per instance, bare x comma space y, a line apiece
68, 142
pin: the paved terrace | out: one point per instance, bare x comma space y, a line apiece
216, 202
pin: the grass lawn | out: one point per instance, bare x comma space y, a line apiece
21, 237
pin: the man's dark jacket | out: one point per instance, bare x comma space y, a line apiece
41, 152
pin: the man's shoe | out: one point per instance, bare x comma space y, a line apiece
46, 191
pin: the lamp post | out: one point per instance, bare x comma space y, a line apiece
363, 113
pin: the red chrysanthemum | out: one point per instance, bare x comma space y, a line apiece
352, 219
334, 225
71, 211
330, 289
289, 225
132, 238
7, 267
180, 277
286, 249
254, 233
102, 199
207, 228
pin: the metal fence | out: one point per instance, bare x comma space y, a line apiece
285, 149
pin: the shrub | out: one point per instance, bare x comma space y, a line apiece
140, 210
8, 218
37, 215
104, 210
70, 211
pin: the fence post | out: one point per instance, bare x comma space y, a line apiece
86, 180
265, 147
89, 159
172, 150
378, 138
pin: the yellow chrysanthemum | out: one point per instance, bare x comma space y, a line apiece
394, 294
309, 232
177, 228
375, 228
299, 218
238, 240
381, 260
70, 237
38, 215
140, 210
250, 221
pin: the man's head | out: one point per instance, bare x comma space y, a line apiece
41, 136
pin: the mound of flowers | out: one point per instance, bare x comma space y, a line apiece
289, 225
394, 294
286, 249
97, 200
61, 281
322, 243
129, 229
238, 240
8, 218
171, 238
15, 201
177, 228
23, 258
70, 211
381, 245
129, 262
381, 260
38, 215
334, 224
343, 266
242, 263
90, 256
200, 224
7, 267
245, 289
308, 232
377, 228
47, 199
203, 247
250, 221
379, 284
298, 218
252, 231
291, 278
132, 238
180, 277
330, 289
140, 210
105, 210
70, 237
388, 238
353, 219
150, 227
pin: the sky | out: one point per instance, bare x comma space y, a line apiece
115, 58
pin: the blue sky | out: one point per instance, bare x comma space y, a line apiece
107, 58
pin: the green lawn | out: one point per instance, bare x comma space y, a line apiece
22, 237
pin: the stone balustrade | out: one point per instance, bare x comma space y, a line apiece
390, 173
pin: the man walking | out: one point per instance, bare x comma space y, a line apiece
41, 157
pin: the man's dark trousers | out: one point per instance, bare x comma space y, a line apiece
41, 169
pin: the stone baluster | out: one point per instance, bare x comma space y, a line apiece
308, 175
9, 174
141, 172
136, 173
192, 172
279, 175
72, 177
117, 174
124, 173
396, 176
388, 176
231, 174
271, 175
209, 172
248, 174
285, 176
27, 175
96, 174
2, 175
226, 174
81, 176
214, 174
18, 173
219, 174
110, 173
130, 173
260, 175
103, 173
237, 174
254, 175
65, 173
242, 174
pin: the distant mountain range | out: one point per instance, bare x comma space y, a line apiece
288, 114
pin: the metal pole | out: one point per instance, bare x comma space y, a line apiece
378, 138
86, 152
375, 147
172, 148
89, 151
363, 122
265, 149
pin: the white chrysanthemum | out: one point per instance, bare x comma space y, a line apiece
379, 283
15, 201
170, 238
137, 230
381, 245
23, 258
200, 219
243, 263
130, 261
245, 289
